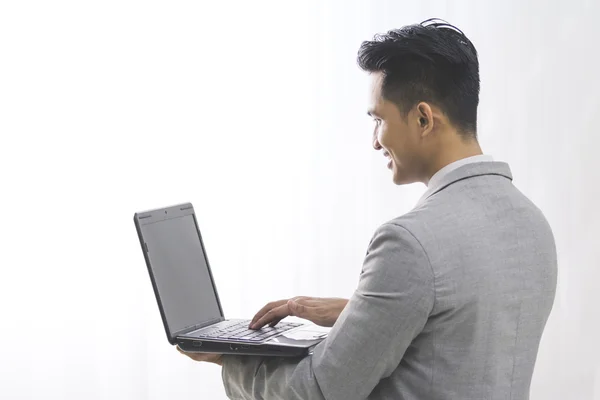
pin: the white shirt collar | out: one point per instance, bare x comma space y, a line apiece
439, 176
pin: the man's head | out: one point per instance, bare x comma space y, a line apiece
425, 92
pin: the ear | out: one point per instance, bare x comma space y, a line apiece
424, 116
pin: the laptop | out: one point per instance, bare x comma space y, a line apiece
187, 296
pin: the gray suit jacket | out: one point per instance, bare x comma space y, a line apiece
451, 304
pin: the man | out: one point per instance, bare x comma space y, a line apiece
453, 296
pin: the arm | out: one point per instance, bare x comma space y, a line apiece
387, 311
321, 311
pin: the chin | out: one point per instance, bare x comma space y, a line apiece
401, 179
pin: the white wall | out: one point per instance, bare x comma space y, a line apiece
256, 114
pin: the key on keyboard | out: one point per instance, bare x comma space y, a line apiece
239, 331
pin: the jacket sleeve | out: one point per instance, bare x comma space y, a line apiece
387, 311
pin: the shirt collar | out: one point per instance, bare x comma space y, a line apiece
438, 180
439, 176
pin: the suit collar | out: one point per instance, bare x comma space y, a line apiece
468, 171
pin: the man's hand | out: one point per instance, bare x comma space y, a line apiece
321, 311
207, 357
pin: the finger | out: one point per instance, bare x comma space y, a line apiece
190, 355
276, 313
301, 309
304, 302
298, 299
266, 309
308, 301
196, 356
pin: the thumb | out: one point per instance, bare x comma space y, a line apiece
296, 309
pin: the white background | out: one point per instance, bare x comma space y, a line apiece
255, 112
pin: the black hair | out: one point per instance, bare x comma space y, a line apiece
432, 61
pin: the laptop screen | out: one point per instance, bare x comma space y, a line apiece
180, 272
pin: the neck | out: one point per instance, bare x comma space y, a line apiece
451, 153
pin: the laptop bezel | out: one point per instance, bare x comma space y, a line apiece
162, 214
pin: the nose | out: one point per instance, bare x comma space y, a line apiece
376, 144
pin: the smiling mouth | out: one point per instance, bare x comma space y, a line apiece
387, 155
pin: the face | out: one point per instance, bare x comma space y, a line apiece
399, 138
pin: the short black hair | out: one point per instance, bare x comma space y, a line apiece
432, 61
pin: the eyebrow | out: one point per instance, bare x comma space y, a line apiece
372, 112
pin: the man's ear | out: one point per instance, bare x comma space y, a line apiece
424, 116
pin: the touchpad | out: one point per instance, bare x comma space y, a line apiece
310, 332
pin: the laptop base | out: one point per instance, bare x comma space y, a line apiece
281, 346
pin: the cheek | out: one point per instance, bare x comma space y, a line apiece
390, 139
383, 136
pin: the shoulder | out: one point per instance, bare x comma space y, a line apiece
394, 246
417, 224
396, 262
397, 231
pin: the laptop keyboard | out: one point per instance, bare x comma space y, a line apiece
238, 330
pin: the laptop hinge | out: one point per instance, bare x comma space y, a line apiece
192, 328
